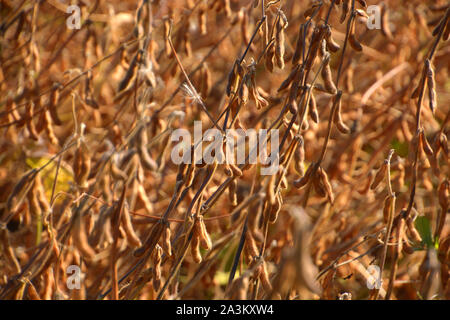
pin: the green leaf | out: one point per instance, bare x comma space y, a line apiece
401, 148
423, 225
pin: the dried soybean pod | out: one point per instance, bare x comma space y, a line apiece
326, 183
233, 78
250, 245
195, 247
275, 210
264, 278
79, 237
299, 47
345, 9
166, 244
53, 102
443, 194
379, 176
415, 235
145, 158
285, 84
318, 186
49, 129
202, 21
420, 85
131, 235
205, 239
280, 40
32, 292
385, 29
270, 189
20, 190
81, 164
400, 232
157, 267
29, 121
331, 44
232, 192
327, 78
236, 171
131, 71
431, 85
354, 43
299, 158
366, 187
342, 127
299, 183
424, 144
386, 208
446, 33
443, 142
269, 57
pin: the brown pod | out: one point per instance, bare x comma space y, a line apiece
205, 239
285, 84
195, 247
233, 79
340, 125
443, 193
32, 292
202, 21
131, 71
415, 235
345, 9
431, 86
270, 189
326, 184
157, 267
80, 239
319, 188
29, 121
331, 44
275, 210
81, 164
443, 142
400, 235
299, 158
269, 56
299, 46
53, 102
49, 129
424, 144
299, 183
385, 29
144, 157
279, 40
327, 79
250, 245
131, 235
355, 43
264, 278
446, 33
366, 187
379, 176
386, 209
232, 192
407, 248
235, 169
